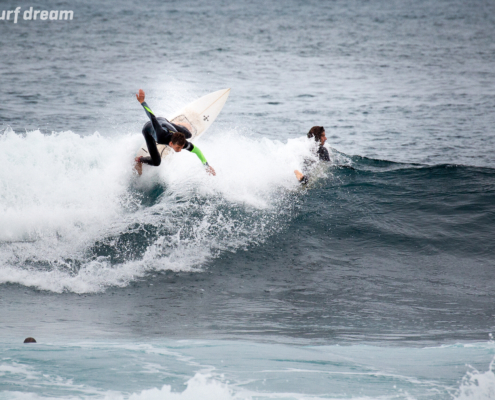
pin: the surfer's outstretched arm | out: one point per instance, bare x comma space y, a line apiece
178, 128
195, 149
200, 155
156, 125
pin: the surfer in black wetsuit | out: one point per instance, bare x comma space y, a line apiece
160, 130
318, 132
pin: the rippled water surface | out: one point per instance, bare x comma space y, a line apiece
374, 281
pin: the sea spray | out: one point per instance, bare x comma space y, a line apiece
76, 217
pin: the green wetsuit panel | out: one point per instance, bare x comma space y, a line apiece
200, 155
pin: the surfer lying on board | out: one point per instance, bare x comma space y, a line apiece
160, 130
318, 132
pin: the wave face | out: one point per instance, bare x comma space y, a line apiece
419, 210
344, 257
76, 218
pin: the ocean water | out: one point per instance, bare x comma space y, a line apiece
374, 281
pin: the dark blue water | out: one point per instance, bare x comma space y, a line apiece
375, 280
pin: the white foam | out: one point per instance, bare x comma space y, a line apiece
54, 183
62, 193
199, 387
16, 369
399, 373
477, 385
202, 386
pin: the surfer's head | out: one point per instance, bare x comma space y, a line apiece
318, 132
178, 141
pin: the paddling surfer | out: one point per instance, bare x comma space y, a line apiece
318, 132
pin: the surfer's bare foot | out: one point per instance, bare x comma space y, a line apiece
299, 175
138, 166
140, 98
210, 170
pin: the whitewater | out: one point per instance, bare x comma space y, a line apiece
76, 199
374, 281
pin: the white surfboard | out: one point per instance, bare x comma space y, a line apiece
196, 116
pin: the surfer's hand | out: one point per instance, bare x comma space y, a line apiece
210, 170
299, 175
140, 96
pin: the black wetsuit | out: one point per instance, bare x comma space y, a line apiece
322, 155
160, 130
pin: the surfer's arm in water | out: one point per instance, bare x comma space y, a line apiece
303, 179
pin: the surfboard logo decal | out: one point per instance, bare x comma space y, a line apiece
205, 118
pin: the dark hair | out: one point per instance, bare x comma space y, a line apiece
316, 132
178, 138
